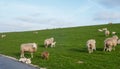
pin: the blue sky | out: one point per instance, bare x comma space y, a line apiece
23, 15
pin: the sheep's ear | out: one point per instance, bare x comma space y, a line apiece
34, 46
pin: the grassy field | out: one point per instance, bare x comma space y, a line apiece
70, 47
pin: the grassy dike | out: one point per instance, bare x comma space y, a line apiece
70, 47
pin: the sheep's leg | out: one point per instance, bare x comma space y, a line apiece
31, 55
51, 45
22, 54
110, 49
104, 48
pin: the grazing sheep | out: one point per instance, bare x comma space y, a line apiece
29, 47
2, 36
104, 29
45, 55
118, 42
35, 32
91, 45
53, 44
100, 30
113, 33
48, 42
107, 32
110, 43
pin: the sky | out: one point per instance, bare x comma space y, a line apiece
26, 15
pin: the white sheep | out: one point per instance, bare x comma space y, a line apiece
110, 43
104, 29
48, 42
113, 33
100, 30
22, 60
35, 32
29, 47
53, 44
25, 60
28, 61
3, 35
91, 45
107, 32
118, 42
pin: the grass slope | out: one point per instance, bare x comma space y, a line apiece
70, 47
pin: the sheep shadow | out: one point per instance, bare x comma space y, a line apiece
41, 46
78, 50
99, 49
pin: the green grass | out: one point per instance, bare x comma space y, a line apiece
70, 47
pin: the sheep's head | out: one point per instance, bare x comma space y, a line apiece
35, 46
115, 37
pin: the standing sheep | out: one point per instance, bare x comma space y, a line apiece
3, 35
110, 43
29, 47
113, 33
53, 44
48, 42
91, 45
118, 42
107, 32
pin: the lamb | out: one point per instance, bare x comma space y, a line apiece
29, 47
113, 33
104, 29
25, 60
3, 35
35, 32
118, 42
110, 43
53, 44
22, 60
48, 42
107, 32
28, 61
100, 30
91, 45
45, 55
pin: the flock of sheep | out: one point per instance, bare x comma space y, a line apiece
32, 47
109, 43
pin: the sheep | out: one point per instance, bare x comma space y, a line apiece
25, 60
113, 33
22, 60
107, 32
3, 35
45, 55
110, 43
48, 42
28, 61
91, 45
104, 29
118, 42
29, 47
35, 32
53, 44
100, 30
